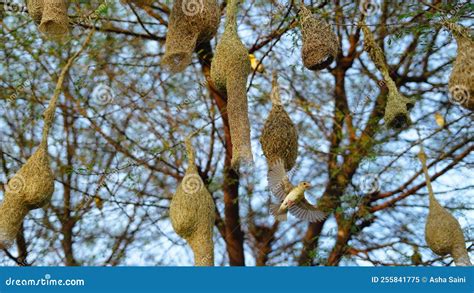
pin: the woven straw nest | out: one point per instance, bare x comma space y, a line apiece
279, 136
191, 22
192, 213
30, 188
461, 82
443, 233
397, 108
229, 71
320, 43
35, 9
51, 15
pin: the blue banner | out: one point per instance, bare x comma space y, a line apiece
232, 279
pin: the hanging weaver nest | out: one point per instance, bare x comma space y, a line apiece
319, 41
279, 136
30, 188
55, 20
397, 108
35, 9
192, 212
191, 22
229, 70
461, 82
442, 231
33, 185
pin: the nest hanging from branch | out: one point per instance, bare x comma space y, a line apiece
279, 136
192, 212
229, 71
35, 9
30, 188
319, 41
33, 185
443, 233
55, 20
461, 82
397, 108
191, 23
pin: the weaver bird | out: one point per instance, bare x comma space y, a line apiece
255, 63
291, 197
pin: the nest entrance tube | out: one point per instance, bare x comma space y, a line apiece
230, 68
461, 81
319, 41
397, 108
443, 233
55, 20
279, 135
192, 212
191, 23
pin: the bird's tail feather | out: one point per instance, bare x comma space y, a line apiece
277, 213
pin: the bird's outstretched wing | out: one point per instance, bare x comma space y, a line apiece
278, 181
307, 212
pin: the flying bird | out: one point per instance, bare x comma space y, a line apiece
291, 197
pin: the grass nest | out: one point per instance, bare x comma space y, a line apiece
190, 23
461, 81
192, 212
30, 188
35, 9
443, 233
230, 68
55, 20
397, 109
320, 44
279, 136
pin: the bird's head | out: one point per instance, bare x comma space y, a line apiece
305, 185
